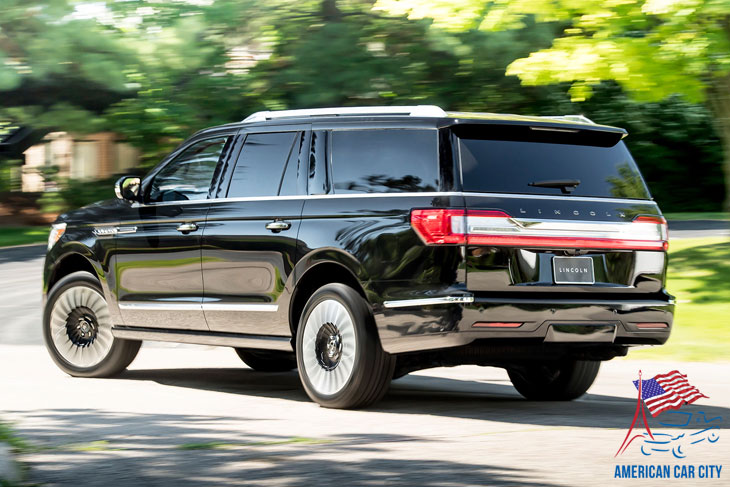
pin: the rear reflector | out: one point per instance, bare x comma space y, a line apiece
495, 324
651, 325
438, 226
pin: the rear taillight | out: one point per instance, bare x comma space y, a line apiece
437, 226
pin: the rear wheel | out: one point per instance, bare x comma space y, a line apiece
77, 329
341, 362
560, 381
267, 360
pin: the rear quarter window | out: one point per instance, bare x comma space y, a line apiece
385, 161
512, 166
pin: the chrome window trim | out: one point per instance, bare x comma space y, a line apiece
430, 194
559, 197
143, 306
404, 303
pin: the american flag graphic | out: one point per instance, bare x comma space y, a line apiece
667, 391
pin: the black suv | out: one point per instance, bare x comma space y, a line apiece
361, 244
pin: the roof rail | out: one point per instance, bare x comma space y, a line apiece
410, 111
573, 118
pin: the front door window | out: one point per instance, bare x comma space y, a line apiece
189, 175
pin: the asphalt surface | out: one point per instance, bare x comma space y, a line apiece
699, 228
186, 415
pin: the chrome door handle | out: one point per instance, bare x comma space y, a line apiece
278, 226
187, 227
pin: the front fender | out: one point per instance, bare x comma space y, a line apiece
80, 249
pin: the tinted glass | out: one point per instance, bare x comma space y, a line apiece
384, 161
295, 166
509, 166
188, 176
319, 163
260, 164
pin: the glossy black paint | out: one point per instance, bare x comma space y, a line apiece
243, 262
233, 259
530, 270
157, 264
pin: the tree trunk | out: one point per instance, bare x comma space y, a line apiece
719, 99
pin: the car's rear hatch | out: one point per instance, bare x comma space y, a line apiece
555, 209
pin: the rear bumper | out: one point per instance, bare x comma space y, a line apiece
406, 328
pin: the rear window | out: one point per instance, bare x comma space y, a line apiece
385, 161
261, 164
515, 166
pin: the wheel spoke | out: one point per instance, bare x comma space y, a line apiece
81, 342
329, 347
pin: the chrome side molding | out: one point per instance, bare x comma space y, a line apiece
157, 306
405, 303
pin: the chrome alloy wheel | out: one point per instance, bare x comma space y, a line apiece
80, 327
329, 347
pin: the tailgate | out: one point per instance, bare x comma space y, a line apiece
552, 245
556, 210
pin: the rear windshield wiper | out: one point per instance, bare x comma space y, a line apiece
565, 185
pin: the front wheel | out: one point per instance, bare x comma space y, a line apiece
560, 381
77, 329
341, 362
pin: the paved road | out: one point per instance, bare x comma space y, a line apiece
21, 272
699, 228
196, 416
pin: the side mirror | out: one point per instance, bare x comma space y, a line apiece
127, 188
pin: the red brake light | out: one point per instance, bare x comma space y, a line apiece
439, 225
496, 228
651, 325
496, 324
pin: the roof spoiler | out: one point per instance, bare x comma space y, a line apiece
556, 133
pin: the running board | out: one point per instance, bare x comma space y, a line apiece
215, 338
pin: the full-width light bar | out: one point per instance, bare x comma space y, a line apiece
439, 226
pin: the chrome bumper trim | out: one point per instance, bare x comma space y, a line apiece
405, 303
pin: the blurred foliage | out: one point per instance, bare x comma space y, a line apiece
157, 71
80, 193
653, 48
699, 270
22, 236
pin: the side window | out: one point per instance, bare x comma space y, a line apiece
319, 163
295, 166
385, 161
261, 163
188, 176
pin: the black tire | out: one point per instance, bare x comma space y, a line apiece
267, 360
365, 373
119, 355
560, 381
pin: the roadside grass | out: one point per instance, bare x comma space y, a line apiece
706, 215
699, 277
22, 235
9, 437
219, 445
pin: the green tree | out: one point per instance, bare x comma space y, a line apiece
652, 48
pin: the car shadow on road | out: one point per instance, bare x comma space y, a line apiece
102, 448
423, 394
22, 254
